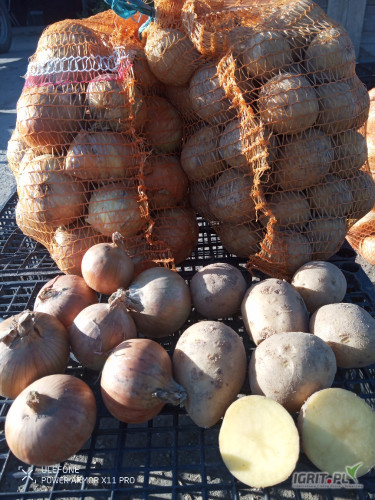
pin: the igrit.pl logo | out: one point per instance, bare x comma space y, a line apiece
323, 480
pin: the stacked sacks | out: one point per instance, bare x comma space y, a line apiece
255, 105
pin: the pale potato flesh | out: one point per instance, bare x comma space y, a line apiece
259, 441
338, 430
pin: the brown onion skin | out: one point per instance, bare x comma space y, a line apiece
165, 182
70, 243
178, 229
33, 345
159, 301
49, 116
48, 195
106, 267
64, 297
137, 381
97, 330
57, 423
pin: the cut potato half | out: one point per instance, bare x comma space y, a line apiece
259, 441
338, 431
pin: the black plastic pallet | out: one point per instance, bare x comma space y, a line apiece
169, 456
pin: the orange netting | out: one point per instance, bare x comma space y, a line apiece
249, 111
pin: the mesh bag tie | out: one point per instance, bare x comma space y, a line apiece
128, 8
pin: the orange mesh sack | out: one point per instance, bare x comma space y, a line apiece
361, 235
96, 146
274, 138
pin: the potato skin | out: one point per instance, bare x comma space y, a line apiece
209, 361
319, 283
349, 330
271, 307
291, 366
217, 290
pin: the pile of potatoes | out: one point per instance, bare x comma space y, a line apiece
303, 332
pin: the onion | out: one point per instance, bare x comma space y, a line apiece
16, 150
178, 229
32, 345
69, 51
137, 381
170, 54
163, 128
116, 208
69, 245
49, 195
117, 102
107, 266
99, 328
36, 230
49, 116
102, 155
165, 182
64, 297
159, 302
50, 420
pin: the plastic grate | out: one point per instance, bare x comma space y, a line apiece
169, 456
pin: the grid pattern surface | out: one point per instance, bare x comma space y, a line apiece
168, 457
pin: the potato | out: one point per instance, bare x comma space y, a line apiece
262, 53
319, 283
349, 330
217, 290
362, 190
326, 236
367, 249
208, 97
343, 105
300, 20
288, 104
290, 208
331, 55
337, 431
285, 251
350, 153
304, 159
199, 198
240, 145
179, 96
258, 441
209, 361
200, 156
230, 198
242, 240
291, 366
273, 306
332, 198
170, 55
